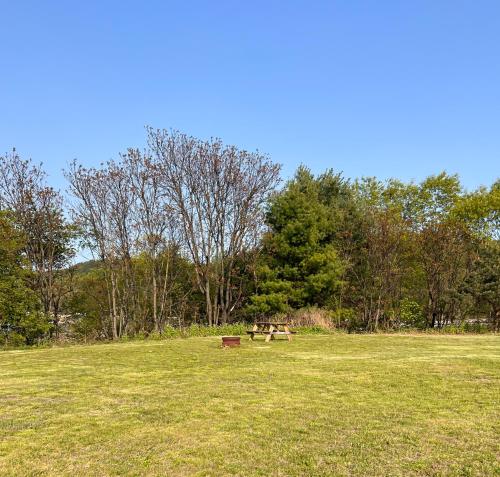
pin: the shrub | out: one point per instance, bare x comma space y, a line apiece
35, 326
411, 314
458, 329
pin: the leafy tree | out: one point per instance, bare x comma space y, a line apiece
443, 246
37, 212
383, 258
480, 210
301, 266
21, 320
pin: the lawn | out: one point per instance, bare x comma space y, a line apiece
353, 405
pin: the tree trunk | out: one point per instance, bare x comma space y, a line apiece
114, 305
208, 303
155, 312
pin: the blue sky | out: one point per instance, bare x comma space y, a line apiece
387, 88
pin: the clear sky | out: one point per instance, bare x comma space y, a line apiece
386, 88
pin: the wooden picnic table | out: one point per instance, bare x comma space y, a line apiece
270, 329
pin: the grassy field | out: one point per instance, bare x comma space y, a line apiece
369, 405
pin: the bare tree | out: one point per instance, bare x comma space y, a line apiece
93, 212
154, 221
121, 202
217, 194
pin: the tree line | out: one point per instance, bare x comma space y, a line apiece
195, 231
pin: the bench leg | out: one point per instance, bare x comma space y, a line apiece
270, 336
254, 328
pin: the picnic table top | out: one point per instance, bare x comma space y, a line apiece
282, 323
270, 329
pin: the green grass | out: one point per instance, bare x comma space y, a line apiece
353, 405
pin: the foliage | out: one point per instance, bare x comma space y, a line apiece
483, 283
300, 267
89, 305
36, 210
21, 322
189, 232
408, 255
411, 314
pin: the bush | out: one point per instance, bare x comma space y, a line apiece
234, 329
346, 318
30, 330
462, 328
35, 326
83, 326
12, 339
411, 314
314, 330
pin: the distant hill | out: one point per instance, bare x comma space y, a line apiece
85, 267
